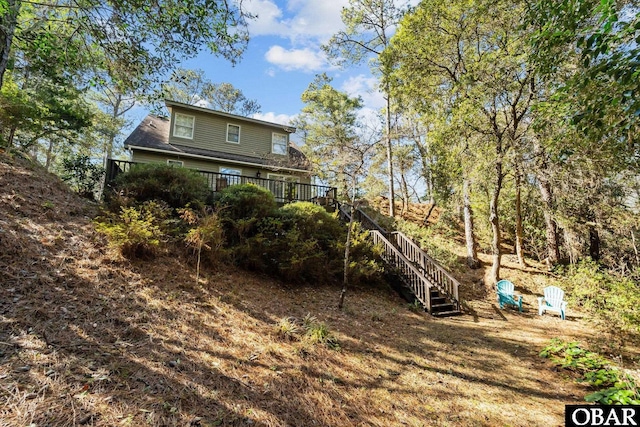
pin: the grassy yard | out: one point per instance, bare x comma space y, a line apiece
87, 338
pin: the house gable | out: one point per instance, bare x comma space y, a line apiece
228, 133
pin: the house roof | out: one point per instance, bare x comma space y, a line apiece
288, 129
152, 134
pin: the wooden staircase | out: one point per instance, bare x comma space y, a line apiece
424, 277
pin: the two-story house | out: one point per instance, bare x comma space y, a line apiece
227, 148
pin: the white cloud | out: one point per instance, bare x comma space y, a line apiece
281, 119
304, 20
268, 19
317, 19
367, 88
296, 59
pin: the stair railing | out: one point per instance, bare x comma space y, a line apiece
410, 274
365, 220
419, 271
443, 280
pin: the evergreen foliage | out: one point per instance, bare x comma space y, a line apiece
136, 231
178, 187
82, 175
241, 207
613, 298
300, 242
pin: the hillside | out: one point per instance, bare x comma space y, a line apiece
88, 338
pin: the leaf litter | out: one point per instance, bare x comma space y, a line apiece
88, 338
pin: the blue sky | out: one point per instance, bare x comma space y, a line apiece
283, 57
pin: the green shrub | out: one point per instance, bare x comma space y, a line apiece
136, 231
280, 249
241, 207
614, 299
176, 186
366, 266
245, 201
314, 222
287, 329
82, 176
311, 330
318, 333
612, 385
303, 243
300, 242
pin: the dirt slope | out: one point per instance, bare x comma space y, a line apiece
89, 339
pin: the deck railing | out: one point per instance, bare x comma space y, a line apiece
443, 280
284, 191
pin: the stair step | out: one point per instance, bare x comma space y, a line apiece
442, 307
438, 300
446, 313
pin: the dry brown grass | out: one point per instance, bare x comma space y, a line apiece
87, 338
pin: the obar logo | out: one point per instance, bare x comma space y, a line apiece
605, 415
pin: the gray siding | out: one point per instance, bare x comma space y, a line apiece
210, 166
210, 133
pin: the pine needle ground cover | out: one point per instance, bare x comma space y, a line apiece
88, 338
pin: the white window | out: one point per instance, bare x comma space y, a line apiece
233, 133
279, 143
178, 163
230, 171
230, 176
183, 126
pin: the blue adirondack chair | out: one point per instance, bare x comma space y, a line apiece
553, 300
505, 290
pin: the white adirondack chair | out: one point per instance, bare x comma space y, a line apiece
553, 300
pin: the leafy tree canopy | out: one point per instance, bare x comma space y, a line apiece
192, 87
136, 40
591, 50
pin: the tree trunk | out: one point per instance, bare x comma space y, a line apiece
519, 232
392, 195
425, 221
347, 248
635, 247
405, 191
8, 23
109, 142
594, 243
553, 251
12, 135
429, 189
469, 232
546, 194
494, 219
49, 158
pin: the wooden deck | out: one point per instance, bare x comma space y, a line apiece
284, 191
